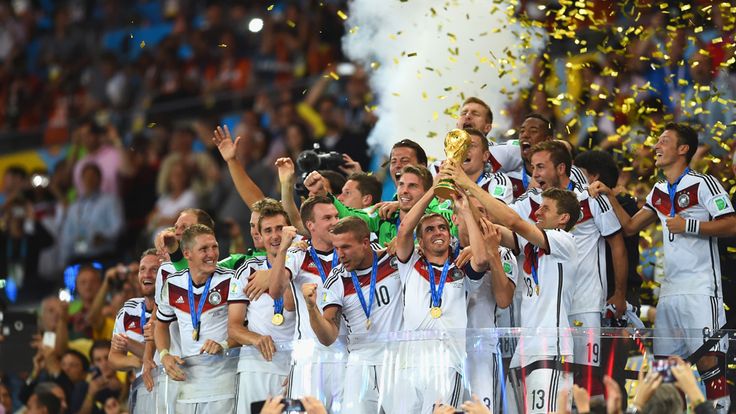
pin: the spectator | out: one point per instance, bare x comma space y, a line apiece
104, 382
93, 222
6, 400
177, 196
93, 140
43, 403
15, 181
87, 285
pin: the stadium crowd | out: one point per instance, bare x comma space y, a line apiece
611, 191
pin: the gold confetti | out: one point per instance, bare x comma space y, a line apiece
269, 8
342, 15
291, 24
152, 124
411, 54
334, 76
143, 44
222, 45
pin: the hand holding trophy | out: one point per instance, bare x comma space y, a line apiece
457, 143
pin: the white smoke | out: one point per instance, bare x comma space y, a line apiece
424, 56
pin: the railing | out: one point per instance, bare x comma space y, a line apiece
407, 372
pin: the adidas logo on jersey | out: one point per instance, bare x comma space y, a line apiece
311, 265
180, 300
131, 325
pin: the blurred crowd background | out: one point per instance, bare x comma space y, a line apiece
107, 110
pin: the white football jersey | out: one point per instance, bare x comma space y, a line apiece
259, 316
497, 183
691, 262
386, 311
546, 301
164, 272
128, 322
597, 220
481, 302
303, 270
418, 303
174, 306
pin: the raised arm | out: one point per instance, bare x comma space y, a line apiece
248, 190
501, 286
326, 326
280, 275
480, 258
630, 225
285, 167
405, 234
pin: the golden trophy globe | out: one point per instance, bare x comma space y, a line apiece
457, 143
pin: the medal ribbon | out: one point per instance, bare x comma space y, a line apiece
278, 304
143, 315
480, 178
197, 316
524, 177
436, 291
570, 186
371, 289
672, 190
318, 262
534, 260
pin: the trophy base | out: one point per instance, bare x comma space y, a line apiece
445, 189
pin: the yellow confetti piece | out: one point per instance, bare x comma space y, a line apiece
334, 76
412, 54
152, 124
143, 44
291, 24
342, 15
222, 45
269, 8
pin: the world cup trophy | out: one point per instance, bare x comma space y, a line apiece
457, 143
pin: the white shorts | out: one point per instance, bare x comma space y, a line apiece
140, 400
684, 323
211, 407
537, 391
322, 380
257, 386
587, 338
362, 394
416, 390
482, 374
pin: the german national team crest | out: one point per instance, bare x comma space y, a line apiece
215, 298
456, 274
394, 262
683, 200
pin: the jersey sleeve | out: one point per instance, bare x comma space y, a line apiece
507, 156
405, 269
648, 201
714, 197
605, 217
164, 311
560, 244
119, 327
164, 271
238, 284
344, 211
333, 290
508, 262
501, 188
294, 260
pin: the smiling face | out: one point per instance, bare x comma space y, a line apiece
400, 158
325, 216
545, 173
531, 133
147, 269
203, 254
474, 115
548, 215
351, 251
434, 235
271, 230
667, 150
409, 191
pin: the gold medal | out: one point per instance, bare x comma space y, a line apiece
368, 324
537, 290
195, 334
277, 319
435, 312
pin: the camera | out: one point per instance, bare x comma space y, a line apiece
663, 367
313, 160
290, 406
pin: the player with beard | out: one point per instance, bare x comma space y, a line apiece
365, 291
197, 299
514, 157
434, 299
597, 226
294, 267
128, 343
549, 270
413, 182
694, 210
261, 375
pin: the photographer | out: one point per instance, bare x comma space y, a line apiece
652, 396
22, 238
100, 316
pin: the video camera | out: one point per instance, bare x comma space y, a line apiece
314, 160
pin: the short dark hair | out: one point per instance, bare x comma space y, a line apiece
149, 252
99, 344
418, 150
80, 356
421, 172
475, 100
307, 210
191, 233
92, 166
547, 124
558, 153
48, 400
686, 135
567, 202
600, 163
420, 224
368, 184
16, 170
202, 216
272, 211
481, 135
354, 225
335, 179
